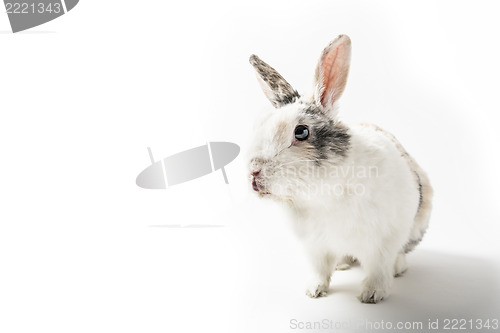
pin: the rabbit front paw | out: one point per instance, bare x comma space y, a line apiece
373, 296
319, 289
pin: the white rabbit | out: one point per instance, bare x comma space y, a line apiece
353, 191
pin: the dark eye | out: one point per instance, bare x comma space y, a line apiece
301, 132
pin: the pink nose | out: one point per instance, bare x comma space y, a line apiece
256, 173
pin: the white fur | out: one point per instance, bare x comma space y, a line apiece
372, 227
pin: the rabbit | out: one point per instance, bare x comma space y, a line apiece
353, 192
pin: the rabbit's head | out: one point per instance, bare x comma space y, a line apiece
301, 138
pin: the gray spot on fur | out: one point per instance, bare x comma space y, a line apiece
412, 243
328, 137
282, 91
420, 190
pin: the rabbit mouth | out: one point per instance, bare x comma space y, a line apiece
254, 185
257, 187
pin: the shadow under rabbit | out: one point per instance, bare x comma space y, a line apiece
437, 286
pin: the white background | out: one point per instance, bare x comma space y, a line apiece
83, 249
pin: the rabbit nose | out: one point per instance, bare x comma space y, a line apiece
256, 173
256, 165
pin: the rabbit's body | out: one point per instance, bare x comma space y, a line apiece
373, 192
353, 191
375, 220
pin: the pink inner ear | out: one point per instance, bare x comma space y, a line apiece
328, 72
334, 65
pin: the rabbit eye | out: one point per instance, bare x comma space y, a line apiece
301, 132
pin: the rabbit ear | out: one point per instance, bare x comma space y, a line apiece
275, 87
331, 73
